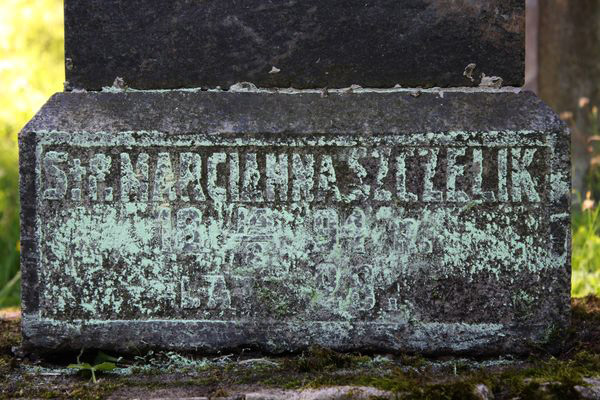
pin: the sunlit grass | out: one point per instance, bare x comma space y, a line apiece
31, 69
586, 253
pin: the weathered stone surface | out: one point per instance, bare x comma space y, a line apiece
591, 391
303, 44
210, 220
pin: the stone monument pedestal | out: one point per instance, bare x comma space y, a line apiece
432, 221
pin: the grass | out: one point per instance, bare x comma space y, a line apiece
586, 253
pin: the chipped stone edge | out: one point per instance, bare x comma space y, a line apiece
247, 87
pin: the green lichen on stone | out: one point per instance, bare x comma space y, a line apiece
323, 232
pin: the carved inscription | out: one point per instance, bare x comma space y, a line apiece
227, 232
402, 174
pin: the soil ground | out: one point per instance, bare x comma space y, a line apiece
567, 369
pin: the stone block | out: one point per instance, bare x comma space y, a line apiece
154, 44
435, 222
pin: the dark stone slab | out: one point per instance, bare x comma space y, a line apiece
156, 44
217, 220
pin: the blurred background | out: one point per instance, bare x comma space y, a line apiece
563, 67
31, 69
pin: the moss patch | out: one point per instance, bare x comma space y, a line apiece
541, 376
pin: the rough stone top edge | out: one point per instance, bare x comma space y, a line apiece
391, 110
248, 87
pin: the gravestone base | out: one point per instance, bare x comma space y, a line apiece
432, 221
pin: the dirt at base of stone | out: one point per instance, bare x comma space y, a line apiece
573, 371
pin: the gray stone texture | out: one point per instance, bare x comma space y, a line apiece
430, 221
156, 44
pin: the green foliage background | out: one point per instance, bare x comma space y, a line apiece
31, 69
586, 253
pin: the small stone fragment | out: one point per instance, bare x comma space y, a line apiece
351, 89
243, 87
494, 82
119, 83
468, 72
